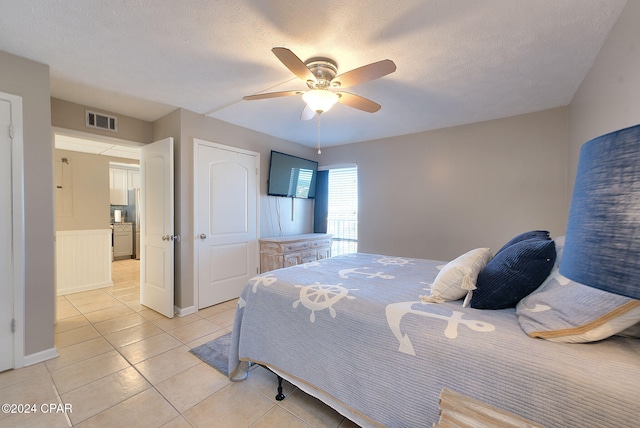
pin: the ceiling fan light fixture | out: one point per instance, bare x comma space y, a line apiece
320, 100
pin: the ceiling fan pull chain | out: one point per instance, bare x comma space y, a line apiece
319, 114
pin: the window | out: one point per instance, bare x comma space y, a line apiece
342, 221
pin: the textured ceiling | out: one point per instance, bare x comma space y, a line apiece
458, 62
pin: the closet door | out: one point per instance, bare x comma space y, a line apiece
227, 221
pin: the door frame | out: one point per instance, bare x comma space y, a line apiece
197, 142
18, 229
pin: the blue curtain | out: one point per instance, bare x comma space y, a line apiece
321, 205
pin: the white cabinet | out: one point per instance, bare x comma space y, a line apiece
284, 251
133, 179
118, 186
122, 241
121, 179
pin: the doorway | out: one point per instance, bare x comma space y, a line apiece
84, 216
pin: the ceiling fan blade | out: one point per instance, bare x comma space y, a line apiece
365, 73
358, 102
272, 95
307, 113
293, 63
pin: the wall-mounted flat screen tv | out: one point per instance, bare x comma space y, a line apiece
291, 176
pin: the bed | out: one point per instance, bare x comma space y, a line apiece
355, 332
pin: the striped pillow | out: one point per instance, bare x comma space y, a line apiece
562, 310
513, 273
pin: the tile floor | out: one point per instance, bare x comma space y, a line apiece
124, 365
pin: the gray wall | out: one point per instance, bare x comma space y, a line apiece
440, 193
30, 80
68, 115
609, 97
90, 190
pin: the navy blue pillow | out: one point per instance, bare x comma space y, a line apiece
539, 234
514, 273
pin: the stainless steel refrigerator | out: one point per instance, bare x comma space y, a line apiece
133, 215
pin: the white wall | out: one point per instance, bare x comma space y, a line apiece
440, 193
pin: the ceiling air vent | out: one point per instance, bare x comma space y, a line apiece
101, 121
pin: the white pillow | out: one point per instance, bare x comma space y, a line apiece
458, 276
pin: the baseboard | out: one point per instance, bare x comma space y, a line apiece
183, 312
64, 291
41, 356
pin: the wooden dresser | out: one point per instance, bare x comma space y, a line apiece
284, 251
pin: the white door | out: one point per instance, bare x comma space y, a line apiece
157, 240
11, 232
227, 220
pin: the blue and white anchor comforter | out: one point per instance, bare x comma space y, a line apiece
352, 331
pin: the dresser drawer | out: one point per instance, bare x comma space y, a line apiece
295, 246
321, 243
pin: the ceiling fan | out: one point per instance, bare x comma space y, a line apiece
320, 75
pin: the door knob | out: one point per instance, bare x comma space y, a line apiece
203, 236
165, 237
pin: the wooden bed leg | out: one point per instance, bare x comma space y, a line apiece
280, 396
